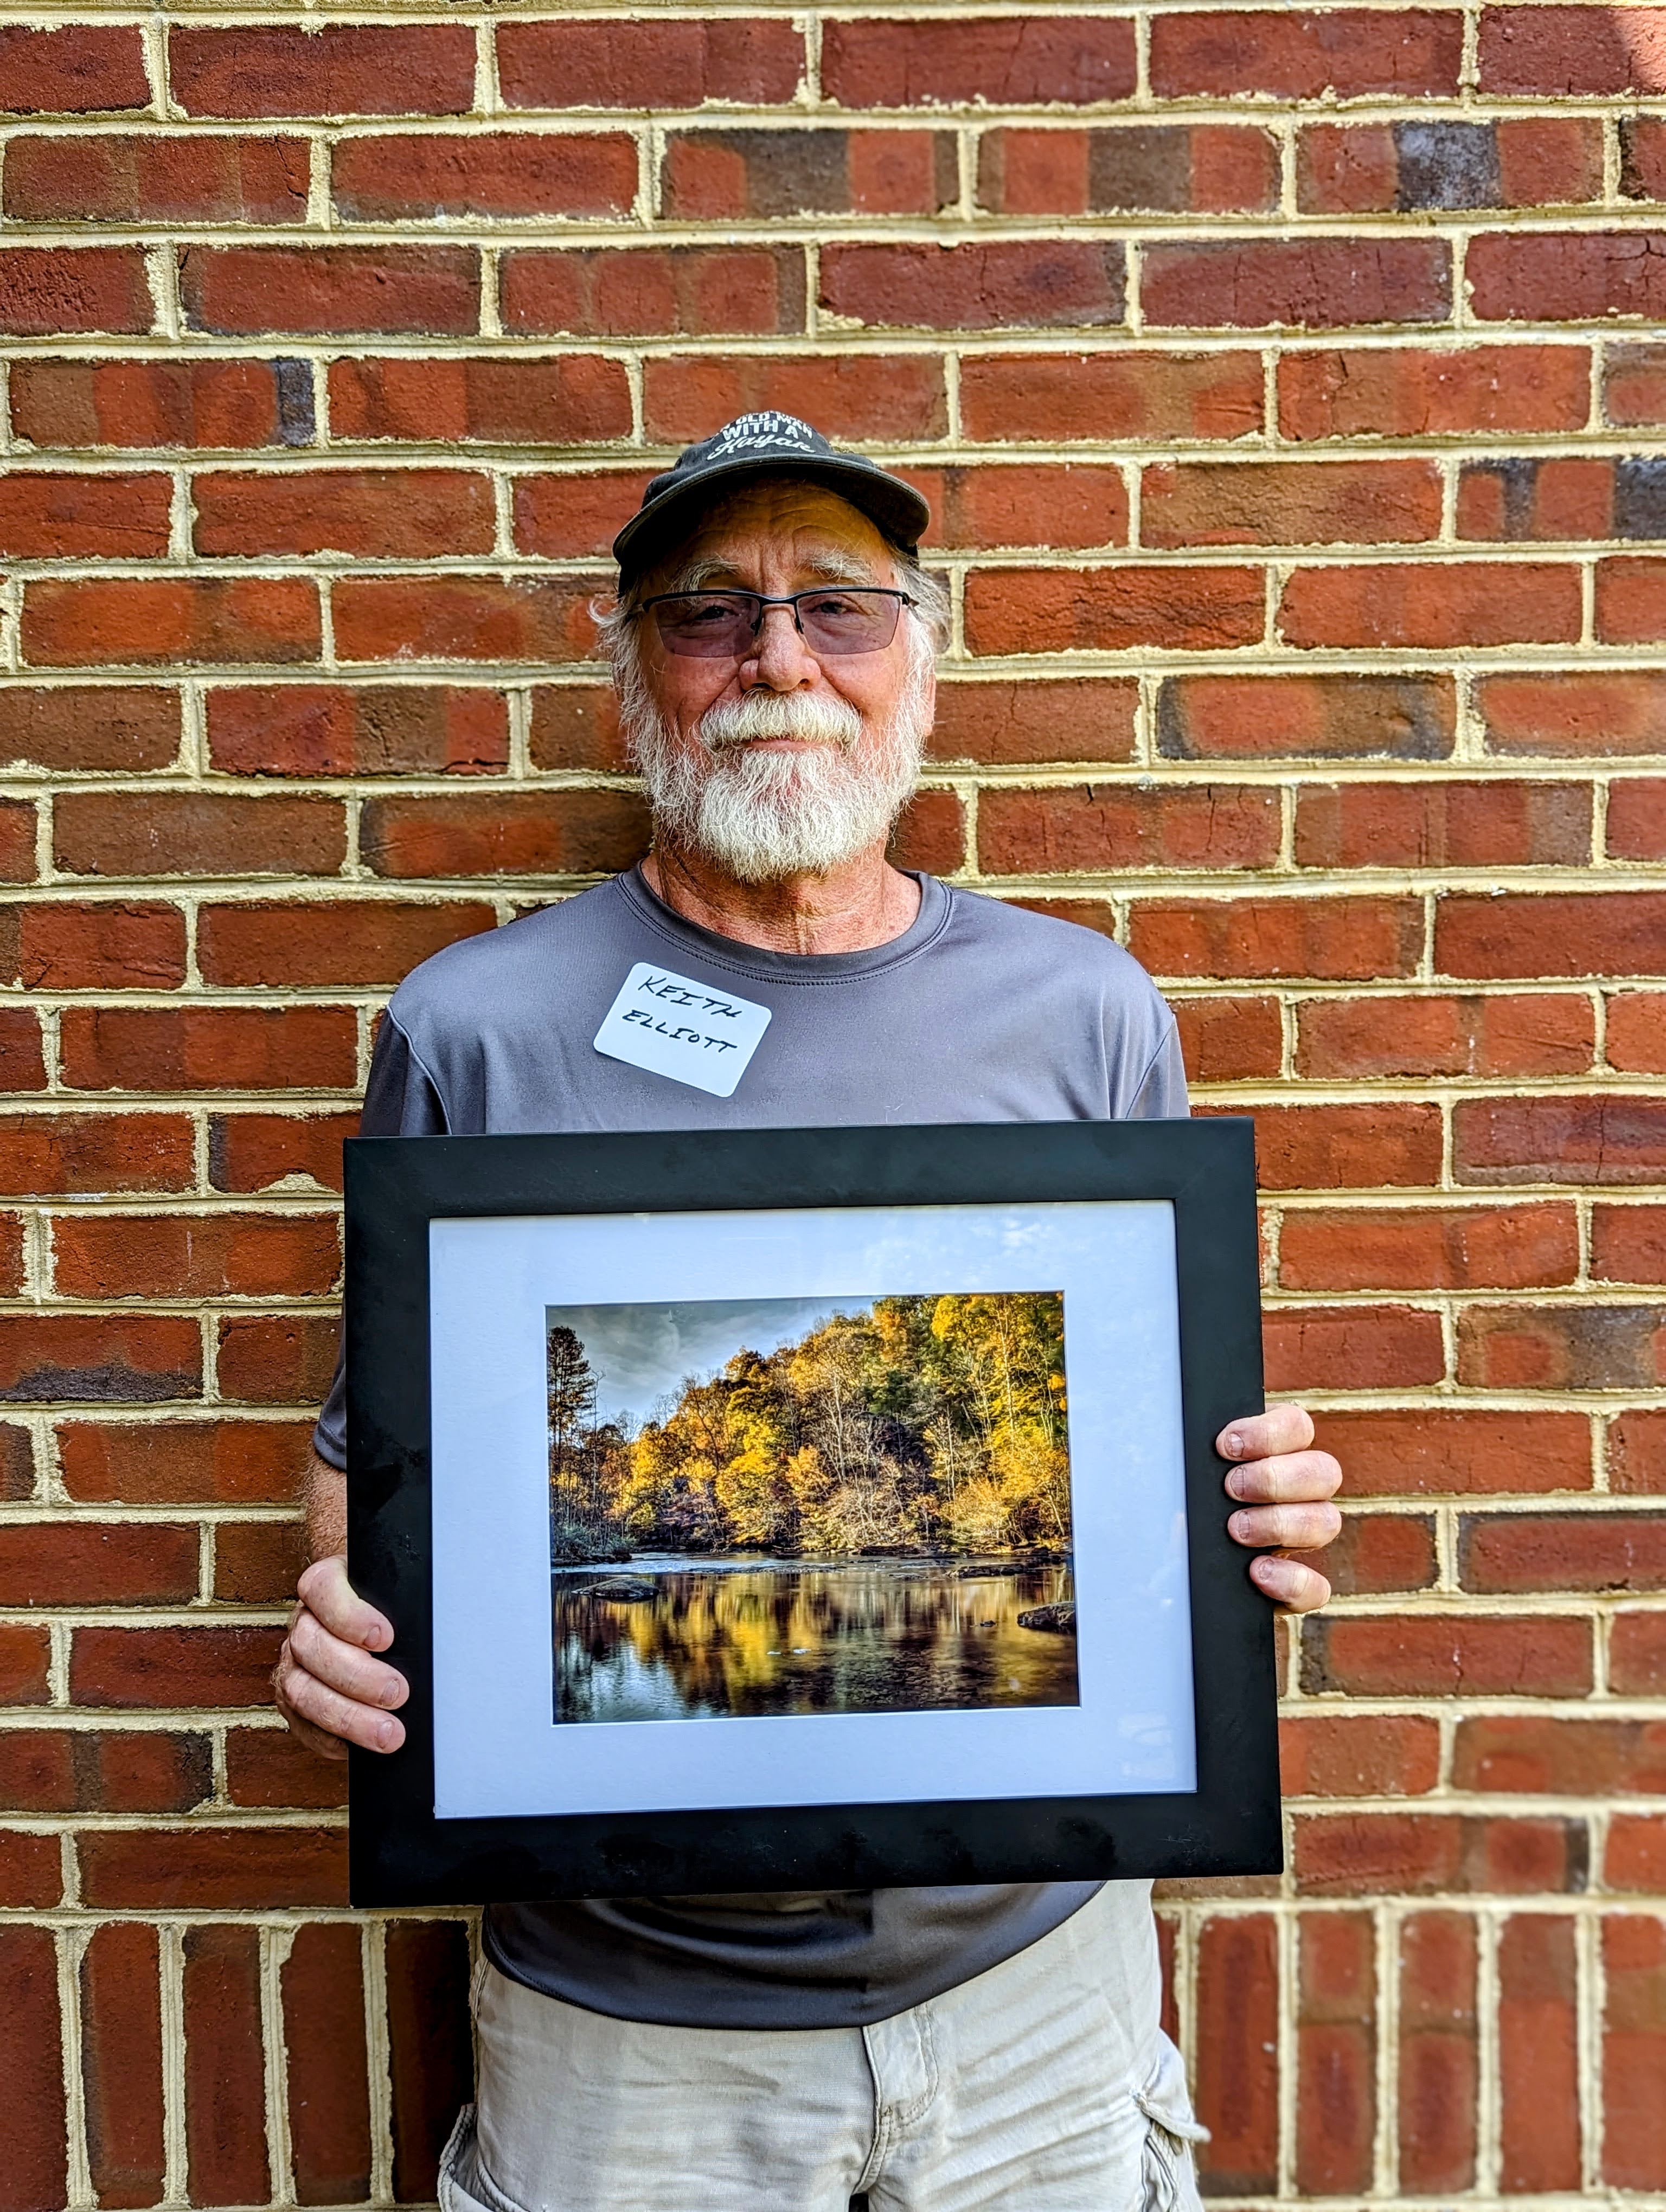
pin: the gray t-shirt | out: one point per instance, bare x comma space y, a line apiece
980, 1012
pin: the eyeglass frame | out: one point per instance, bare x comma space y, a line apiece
765, 601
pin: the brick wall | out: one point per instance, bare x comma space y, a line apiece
1286, 383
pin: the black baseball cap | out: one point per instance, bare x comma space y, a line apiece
769, 443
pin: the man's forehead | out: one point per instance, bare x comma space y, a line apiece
786, 519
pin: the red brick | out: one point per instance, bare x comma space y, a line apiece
1628, 1243
1538, 2053
1427, 1655
1636, 1032
254, 1152
1527, 1755
1439, 2061
1167, 168
1636, 1856
392, 179
320, 944
75, 727
1013, 611
1334, 941
544, 833
160, 403
1237, 2063
998, 61
375, 729
100, 1771
112, 1256
1400, 391
1561, 1347
430, 2055
1628, 600
221, 1462
94, 1153
1346, 169
1528, 1551
116, 946
17, 829
45, 290
1353, 1347
21, 1065
1426, 1854
566, 517
1074, 505
25, 1653
1603, 1139
316, 290
119, 177
1002, 284
1523, 1034
1099, 827
1359, 1755
1567, 50
270, 1767
208, 1047
1297, 284
213, 1869
37, 2158
121, 2063
1036, 721
1305, 717
50, 517
846, 395
1634, 1991
31, 1878
1606, 711
76, 68
1225, 1040
1304, 54
571, 398
1336, 2053
1444, 825
335, 69
930, 834
225, 2068
1637, 818
1637, 1453
287, 1361
737, 61
1458, 1248
97, 1563
1633, 384
1059, 398
1523, 501
109, 1359
1377, 1553
1441, 605
167, 620
198, 834
459, 617
322, 1988
771, 175
11, 1253
613, 291
1568, 276
257, 1562
143, 1667
1289, 503
381, 514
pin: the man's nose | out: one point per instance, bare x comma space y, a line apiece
780, 660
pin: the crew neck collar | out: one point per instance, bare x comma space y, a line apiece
758, 960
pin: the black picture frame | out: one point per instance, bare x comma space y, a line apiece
401, 1855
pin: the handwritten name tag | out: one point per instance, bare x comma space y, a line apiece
671, 1026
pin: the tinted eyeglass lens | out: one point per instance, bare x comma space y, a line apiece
723, 625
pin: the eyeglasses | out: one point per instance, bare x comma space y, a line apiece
837, 619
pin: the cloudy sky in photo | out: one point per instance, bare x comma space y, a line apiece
641, 1353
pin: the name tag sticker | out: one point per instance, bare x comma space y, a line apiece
671, 1026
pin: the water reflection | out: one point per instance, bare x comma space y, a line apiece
754, 1636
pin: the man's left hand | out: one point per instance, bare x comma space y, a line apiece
1284, 1490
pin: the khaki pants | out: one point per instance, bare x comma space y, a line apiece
1043, 2083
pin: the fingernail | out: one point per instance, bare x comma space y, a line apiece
1239, 1525
387, 1735
1235, 1487
1234, 1443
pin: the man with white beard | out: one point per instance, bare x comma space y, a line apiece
955, 2050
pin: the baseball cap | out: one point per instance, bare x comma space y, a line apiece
769, 443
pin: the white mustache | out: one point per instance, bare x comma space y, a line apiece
803, 714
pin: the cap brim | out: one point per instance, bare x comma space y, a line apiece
895, 508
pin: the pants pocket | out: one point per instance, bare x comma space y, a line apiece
461, 2189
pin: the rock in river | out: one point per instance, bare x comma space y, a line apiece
622, 1590
1055, 1620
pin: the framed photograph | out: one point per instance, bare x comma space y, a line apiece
800, 1508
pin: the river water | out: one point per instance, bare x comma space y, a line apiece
749, 1635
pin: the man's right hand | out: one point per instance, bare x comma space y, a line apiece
329, 1688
